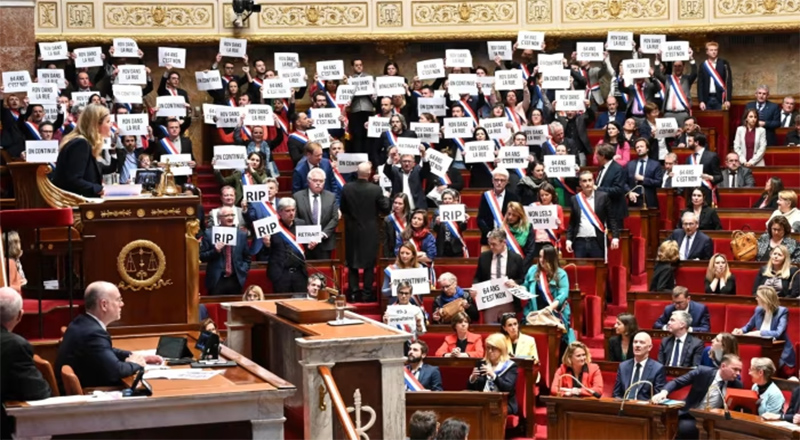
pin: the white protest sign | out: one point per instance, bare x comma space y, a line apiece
348, 162
41, 151
589, 51
389, 86
53, 51
209, 80
173, 56
402, 316
520, 292
542, 216
651, 44
259, 114
226, 235
462, 84
210, 112
550, 61
556, 79
536, 134
124, 94
273, 88
500, 49
479, 151
619, 41
454, 213
179, 163
496, 128
637, 68
296, 77
308, 234
434, 106
50, 112
365, 85
492, 293
134, 124
330, 70
88, 57
508, 80
229, 157
82, 98
326, 117
233, 47
570, 101
435, 195
674, 51
441, 94
408, 145
42, 93
486, 84
286, 60
174, 106
228, 117
559, 166
513, 157
667, 128
344, 94
458, 58
687, 176
430, 69
125, 47
439, 162
255, 193
16, 81
457, 128
52, 76
426, 131
377, 125
266, 226
418, 278
530, 40
132, 74
320, 136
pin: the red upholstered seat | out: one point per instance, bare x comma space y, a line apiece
744, 280
471, 199
473, 245
736, 315
679, 394
544, 358
716, 314
593, 316
218, 314
464, 272
648, 312
692, 278
609, 378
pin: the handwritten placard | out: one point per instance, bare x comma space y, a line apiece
178, 163
559, 166
500, 49
259, 114
308, 234
266, 226
333, 70
174, 106
226, 235
365, 85
453, 213
233, 47
687, 176
530, 40
667, 128
513, 157
134, 124
125, 47
229, 157
348, 162
52, 76
619, 41
479, 152
82, 98
376, 125
570, 101
16, 81
439, 162
172, 56
462, 84
88, 57
550, 61
389, 86
508, 80
486, 84
536, 134
496, 128
42, 93
326, 117
402, 316
556, 79
285, 61
675, 51
125, 94
651, 44
492, 293
320, 136
417, 277
542, 216
434, 106
458, 58
132, 74
54, 51
296, 77
344, 94
41, 151
229, 117
458, 128
273, 88
636, 68
426, 131
210, 113
208, 80
589, 51
430, 69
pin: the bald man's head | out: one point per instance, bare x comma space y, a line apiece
10, 308
103, 301
364, 170
642, 343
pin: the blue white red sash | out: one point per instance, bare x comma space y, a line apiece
499, 371
270, 209
169, 146
33, 129
397, 223
416, 93
258, 82
392, 138
514, 118
338, 179
226, 79
231, 102
471, 113
551, 149
511, 241
716, 77
128, 106
285, 105
14, 113
412, 384
677, 92
389, 269
445, 179
588, 211
290, 238
525, 72
283, 123
164, 131
459, 144
247, 133
638, 95
453, 228
69, 124
494, 207
299, 136
544, 286
705, 182
247, 179
589, 86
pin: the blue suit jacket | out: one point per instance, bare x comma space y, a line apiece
430, 377
602, 119
300, 176
216, 262
771, 115
777, 331
700, 380
654, 373
653, 174
257, 211
702, 246
699, 312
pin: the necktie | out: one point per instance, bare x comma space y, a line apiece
637, 374
733, 179
315, 209
760, 108
676, 354
642, 166
687, 244
784, 122
498, 266
228, 261
600, 175
697, 159
668, 182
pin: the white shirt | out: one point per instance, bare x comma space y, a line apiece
318, 220
500, 198
684, 243
98, 320
585, 229
603, 172
713, 394
697, 155
177, 143
767, 324
712, 86
503, 265
677, 356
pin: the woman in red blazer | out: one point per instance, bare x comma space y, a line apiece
462, 343
577, 362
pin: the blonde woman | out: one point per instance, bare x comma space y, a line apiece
664, 270
496, 371
253, 293
770, 397
577, 362
522, 236
16, 276
787, 207
719, 278
777, 273
77, 167
770, 321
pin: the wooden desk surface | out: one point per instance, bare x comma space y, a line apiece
742, 425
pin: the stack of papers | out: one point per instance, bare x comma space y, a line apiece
181, 374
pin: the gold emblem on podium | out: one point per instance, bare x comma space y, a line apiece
141, 264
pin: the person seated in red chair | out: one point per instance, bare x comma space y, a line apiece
452, 292
496, 372
777, 273
719, 278
640, 368
427, 375
792, 413
681, 300
694, 244
680, 349
770, 321
577, 375
463, 343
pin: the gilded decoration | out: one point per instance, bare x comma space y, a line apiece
390, 14
315, 14
458, 13
115, 214
599, 10
170, 211
141, 264
539, 11
228, 16
89, 215
189, 211
692, 9
48, 15
140, 213
748, 8
187, 16
80, 15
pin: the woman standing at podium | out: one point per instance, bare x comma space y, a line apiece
77, 168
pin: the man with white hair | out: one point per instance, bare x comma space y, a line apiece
226, 265
692, 244
287, 258
317, 206
680, 349
494, 204
452, 292
640, 368
769, 113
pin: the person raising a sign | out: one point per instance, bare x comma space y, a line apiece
712, 174
253, 174
287, 260
566, 187
494, 205
406, 259
551, 285
543, 237
227, 265
593, 215
480, 174
418, 234
449, 238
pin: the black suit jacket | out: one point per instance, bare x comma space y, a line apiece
691, 351
708, 221
703, 79
415, 178
603, 210
581, 121
430, 377
485, 218
653, 175
699, 312
162, 90
710, 162
86, 348
159, 151
615, 349
329, 215
215, 261
515, 269
506, 382
794, 406
653, 372
700, 380
615, 184
283, 256
78, 171
702, 246
18, 374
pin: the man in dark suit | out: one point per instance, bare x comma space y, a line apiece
170, 85
692, 244
586, 238
714, 81
227, 265
398, 127
681, 300
640, 368
640, 92
708, 387
287, 262
611, 115
769, 113
792, 413
315, 206
735, 175
408, 179
298, 139
788, 113
313, 159
612, 180
712, 174
496, 263
174, 143
427, 375
487, 219
646, 173
86, 346
680, 349
575, 129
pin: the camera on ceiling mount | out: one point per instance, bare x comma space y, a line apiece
241, 7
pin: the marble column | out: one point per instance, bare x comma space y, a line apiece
17, 35
318, 422
394, 397
239, 333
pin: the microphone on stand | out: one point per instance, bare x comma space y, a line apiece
627, 393
593, 392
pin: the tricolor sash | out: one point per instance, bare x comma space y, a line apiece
468, 110
338, 179
445, 179
270, 209
638, 95
128, 106
544, 286
589, 86
69, 124
290, 238
459, 144
247, 133
231, 102
226, 79
677, 92
412, 384
389, 269
453, 228
169, 146
285, 105
514, 118
588, 211
561, 182
551, 149
416, 93
33, 129
247, 179
397, 223
551, 234
283, 123
164, 131
299, 136
494, 207
716, 77
392, 138
512, 243
258, 82
498, 371
14, 113
525, 72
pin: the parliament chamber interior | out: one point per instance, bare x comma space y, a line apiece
527, 219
